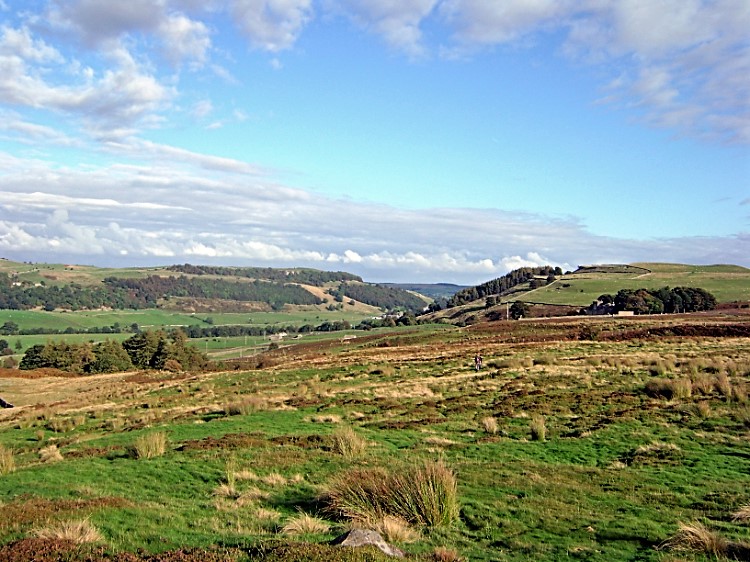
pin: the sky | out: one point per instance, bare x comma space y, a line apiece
400, 140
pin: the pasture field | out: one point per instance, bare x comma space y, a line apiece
589, 439
727, 283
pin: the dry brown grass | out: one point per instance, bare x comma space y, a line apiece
696, 537
348, 443
246, 405
7, 460
395, 530
723, 385
742, 515
305, 524
151, 445
443, 554
50, 454
489, 424
79, 531
538, 428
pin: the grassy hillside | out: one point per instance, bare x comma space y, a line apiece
727, 283
561, 447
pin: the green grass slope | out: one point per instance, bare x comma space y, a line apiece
728, 283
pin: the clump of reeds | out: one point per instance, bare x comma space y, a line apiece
696, 537
489, 423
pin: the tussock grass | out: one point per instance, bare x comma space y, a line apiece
489, 424
443, 554
246, 405
424, 495
305, 524
669, 388
150, 445
79, 531
723, 386
395, 530
7, 460
538, 427
696, 537
348, 443
742, 515
50, 454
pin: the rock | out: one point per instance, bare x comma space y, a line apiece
4, 404
366, 537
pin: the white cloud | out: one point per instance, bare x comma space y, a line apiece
271, 25
398, 21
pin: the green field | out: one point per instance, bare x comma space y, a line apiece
560, 448
726, 283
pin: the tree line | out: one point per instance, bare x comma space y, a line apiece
387, 298
144, 350
654, 301
305, 276
502, 284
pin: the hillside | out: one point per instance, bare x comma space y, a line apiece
567, 293
25, 286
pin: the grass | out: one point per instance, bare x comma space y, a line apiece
349, 443
7, 461
79, 531
150, 445
618, 470
425, 495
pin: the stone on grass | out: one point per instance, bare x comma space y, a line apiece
366, 537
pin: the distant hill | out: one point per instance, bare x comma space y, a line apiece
567, 293
25, 286
431, 290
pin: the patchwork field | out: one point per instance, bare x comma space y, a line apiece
590, 439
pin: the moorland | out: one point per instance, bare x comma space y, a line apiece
591, 438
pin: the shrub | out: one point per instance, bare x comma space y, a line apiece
79, 531
348, 443
7, 461
425, 495
150, 445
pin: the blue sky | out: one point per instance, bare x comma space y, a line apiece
419, 140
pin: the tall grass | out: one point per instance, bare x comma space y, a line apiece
696, 537
7, 461
79, 531
150, 445
348, 442
538, 427
424, 495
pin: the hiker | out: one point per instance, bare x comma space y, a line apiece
478, 361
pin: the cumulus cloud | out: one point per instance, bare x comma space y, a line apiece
272, 25
177, 213
397, 21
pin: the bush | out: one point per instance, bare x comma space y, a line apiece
424, 495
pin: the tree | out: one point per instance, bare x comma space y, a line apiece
109, 357
518, 310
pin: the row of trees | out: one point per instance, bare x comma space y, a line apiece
654, 301
387, 298
305, 276
505, 283
145, 350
